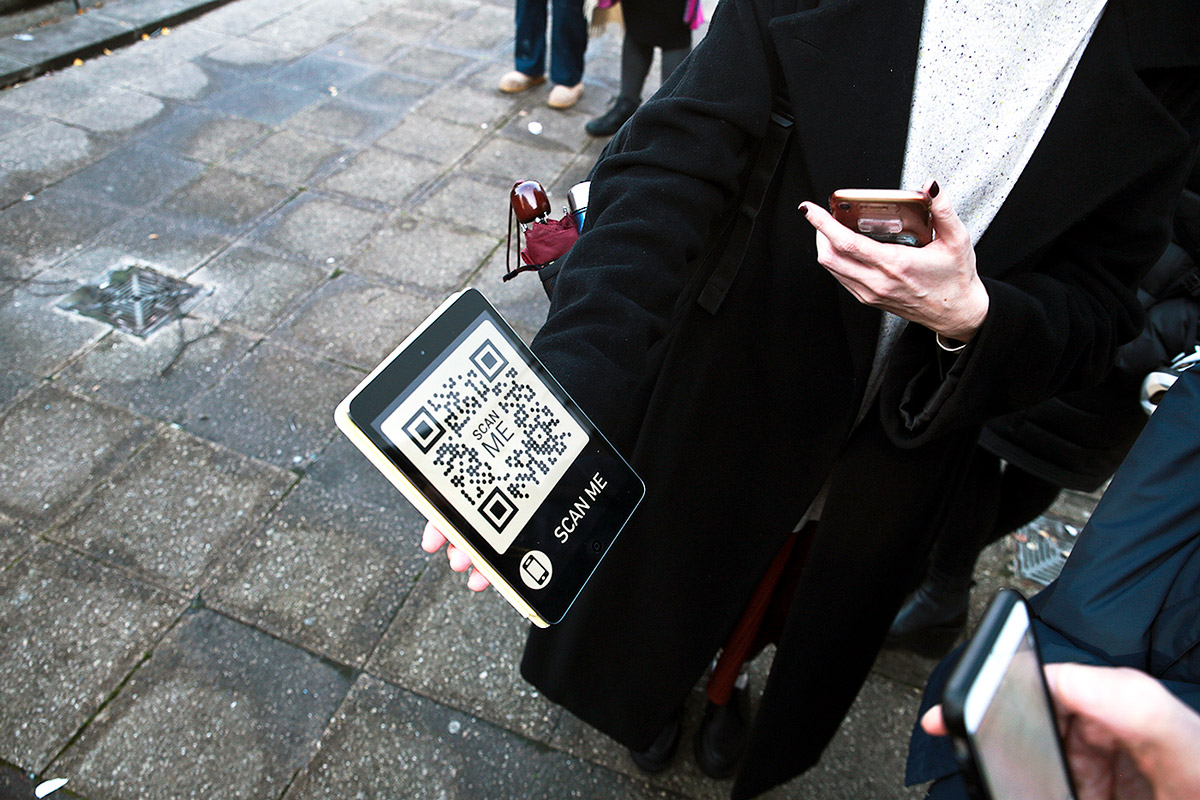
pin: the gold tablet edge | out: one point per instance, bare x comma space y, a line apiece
405, 486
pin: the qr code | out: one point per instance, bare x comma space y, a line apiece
490, 432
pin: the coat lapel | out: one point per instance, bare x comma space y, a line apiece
851, 106
1116, 130
851, 103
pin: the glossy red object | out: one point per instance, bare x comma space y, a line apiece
529, 201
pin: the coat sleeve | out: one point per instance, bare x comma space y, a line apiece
652, 205
1055, 323
1129, 590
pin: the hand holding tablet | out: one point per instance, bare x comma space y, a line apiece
465, 421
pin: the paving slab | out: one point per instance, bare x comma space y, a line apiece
462, 649
171, 244
254, 289
388, 90
343, 471
355, 322
39, 337
14, 541
33, 157
341, 119
133, 177
206, 136
522, 301
219, 198
218, 710
295, 32
13, 383
321, 72
467, 106
481, 31
464, 200
383, 176
429, 137
175, 511
287, 157
324, 573
157, 377
514, 161
265, 102
427, 62
57, 447
73, 630
366, 46
113, 110
276, 405
53, 225
320, 229
386, 742
436, 256
341, 13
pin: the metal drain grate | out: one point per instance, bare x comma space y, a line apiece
1042, 548
135, 299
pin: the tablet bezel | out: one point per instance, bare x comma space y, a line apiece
573, 562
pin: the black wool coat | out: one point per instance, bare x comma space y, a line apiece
736, 420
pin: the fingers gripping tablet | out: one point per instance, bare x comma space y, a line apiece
468, 424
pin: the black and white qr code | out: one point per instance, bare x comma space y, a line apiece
488, 433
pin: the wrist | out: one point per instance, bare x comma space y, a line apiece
958, 332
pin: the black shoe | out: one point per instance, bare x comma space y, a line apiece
721, 738
611, 121
659, 755
930, 621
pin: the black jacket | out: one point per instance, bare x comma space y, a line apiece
736, 420
1129, 595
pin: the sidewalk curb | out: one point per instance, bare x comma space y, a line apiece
86, 35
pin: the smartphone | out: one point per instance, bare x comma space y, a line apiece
999, 712
465, 421
888, 215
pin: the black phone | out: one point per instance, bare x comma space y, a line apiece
999, 712
466, 422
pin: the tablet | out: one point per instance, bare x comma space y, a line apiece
465, 421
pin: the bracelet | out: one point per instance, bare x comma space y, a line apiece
942, 344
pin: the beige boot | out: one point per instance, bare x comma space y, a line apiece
516, 81
565, 96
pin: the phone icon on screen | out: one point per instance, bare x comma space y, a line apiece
536, 569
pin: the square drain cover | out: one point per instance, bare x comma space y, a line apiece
1042, 548
135, 299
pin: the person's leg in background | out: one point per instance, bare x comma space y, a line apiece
635, 66
934, 615
529, 49
568, 43
994, 502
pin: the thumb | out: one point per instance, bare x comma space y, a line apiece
945, 220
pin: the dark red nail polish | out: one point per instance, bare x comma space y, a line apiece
934, 189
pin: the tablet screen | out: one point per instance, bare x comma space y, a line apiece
487, 433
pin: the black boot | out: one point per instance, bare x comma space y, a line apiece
930, 621
658, 756
721, 738
611, 121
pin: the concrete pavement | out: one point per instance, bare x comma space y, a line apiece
205, 591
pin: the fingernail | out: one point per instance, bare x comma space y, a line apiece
934, 189
804, 208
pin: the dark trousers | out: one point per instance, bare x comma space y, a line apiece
568, 39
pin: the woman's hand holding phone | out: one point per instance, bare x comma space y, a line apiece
432, 540
936, 285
